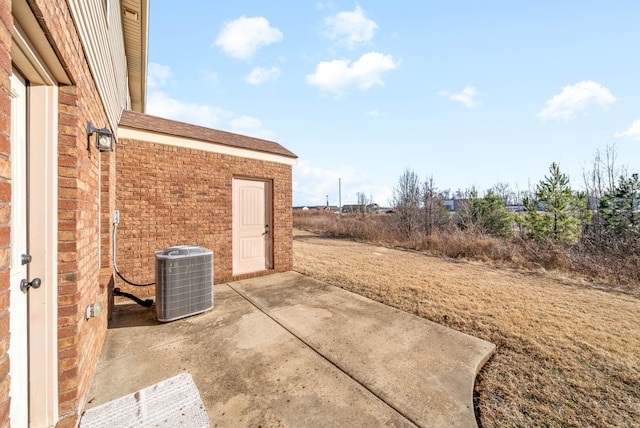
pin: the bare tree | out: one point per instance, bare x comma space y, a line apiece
406, 201
610, 166
508, 195
593, 178
503, 191
363, 202
464, 215
520, 195
602, 175
435, 214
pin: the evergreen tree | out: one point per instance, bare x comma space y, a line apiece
555, 212
492, 215
620, 207
487, 215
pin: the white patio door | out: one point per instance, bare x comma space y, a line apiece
18, 312
252, 229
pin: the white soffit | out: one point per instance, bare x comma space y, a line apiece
135, 28
31, 51
188, 143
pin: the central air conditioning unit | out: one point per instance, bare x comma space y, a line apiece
184, 282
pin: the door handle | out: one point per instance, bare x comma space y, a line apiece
25, 285
25, 259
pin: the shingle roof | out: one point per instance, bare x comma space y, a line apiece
180, 129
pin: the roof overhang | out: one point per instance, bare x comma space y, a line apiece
126, 132
135, 30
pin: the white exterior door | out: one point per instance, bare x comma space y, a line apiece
18, 345
33, 313
251, 226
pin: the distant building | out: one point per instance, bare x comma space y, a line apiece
357, 208
453, 205
332, 208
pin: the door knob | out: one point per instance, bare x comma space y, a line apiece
24, 284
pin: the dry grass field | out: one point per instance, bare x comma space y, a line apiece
568, 352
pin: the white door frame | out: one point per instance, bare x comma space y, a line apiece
42, 132
43, 242
266, 231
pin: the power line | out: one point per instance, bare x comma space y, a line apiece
312, 196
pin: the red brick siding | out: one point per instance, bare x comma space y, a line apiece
82, 201
176, 196
79, 279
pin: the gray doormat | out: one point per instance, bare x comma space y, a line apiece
174, 402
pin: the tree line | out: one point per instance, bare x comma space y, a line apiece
605, 213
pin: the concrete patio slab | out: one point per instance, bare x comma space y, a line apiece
423, 370
287, 350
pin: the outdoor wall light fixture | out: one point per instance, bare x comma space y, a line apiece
104, 137
94, 310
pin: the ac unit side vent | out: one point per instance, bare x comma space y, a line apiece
184, 282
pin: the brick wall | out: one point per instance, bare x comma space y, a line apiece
80, 282
171, 196
84, 195
6, 23
86, 191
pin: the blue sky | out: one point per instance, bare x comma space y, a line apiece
469, 92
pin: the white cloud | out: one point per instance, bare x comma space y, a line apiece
157, 75
325, 5
633, 132
248, 125
466, 97
312, 185
576, 98
335, 76
242, 37
162, 105
350, 29
373, 113
260, 75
